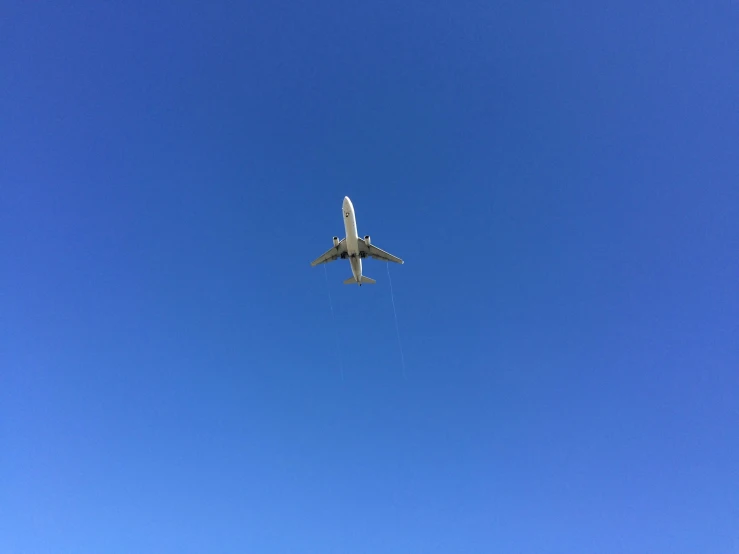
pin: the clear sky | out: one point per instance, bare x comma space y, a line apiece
561, 179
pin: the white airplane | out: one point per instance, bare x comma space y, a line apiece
355, 248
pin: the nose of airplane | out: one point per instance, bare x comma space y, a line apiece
347, 202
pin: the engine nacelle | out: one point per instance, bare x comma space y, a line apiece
336, 241
367, 240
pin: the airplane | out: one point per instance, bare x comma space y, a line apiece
354, 248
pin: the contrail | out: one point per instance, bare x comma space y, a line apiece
333, 318
395, 313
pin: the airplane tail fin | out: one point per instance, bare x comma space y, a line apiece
363, 280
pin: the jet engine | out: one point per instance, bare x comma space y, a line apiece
336, 241
367, 240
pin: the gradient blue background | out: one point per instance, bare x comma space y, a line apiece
561, 180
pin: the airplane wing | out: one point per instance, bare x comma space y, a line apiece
333, 254
376, 253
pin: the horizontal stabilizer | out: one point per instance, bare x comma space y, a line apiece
363, 280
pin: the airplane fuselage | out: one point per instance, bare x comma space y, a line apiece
352, 235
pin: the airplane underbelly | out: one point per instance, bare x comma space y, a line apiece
351, 236
356, 264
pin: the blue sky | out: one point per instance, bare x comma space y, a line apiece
561, 180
